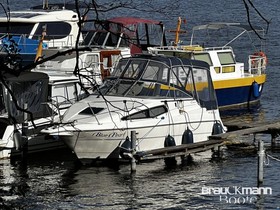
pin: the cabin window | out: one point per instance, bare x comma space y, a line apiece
15, 28
156, 72
182, 55
54, 30
226, 58
217, 70
165, 52
147, 113
91, 110
155, 34
176, 54
91, 61
180, 74
132, 71
228, 69
203, 57
65, 93
120, 68
204, 88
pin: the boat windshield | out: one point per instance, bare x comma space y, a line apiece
15, 28
55, 30
124, 32
146, 78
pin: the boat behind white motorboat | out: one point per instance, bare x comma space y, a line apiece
46, 97
239, 75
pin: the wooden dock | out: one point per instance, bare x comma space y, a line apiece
236, 131
180, 150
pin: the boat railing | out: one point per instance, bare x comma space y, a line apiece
218, 48
57, 106
54, 42
257, 64
188, 48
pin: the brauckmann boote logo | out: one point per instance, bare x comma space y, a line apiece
237, 194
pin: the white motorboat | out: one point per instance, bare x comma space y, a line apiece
156, 96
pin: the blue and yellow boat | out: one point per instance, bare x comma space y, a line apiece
237, 84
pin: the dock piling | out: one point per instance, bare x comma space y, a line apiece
261, 154
133, 151
273, 140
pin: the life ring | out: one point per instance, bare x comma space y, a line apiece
256, 55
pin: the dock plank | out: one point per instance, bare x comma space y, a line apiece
266, 128
238, 129
179, 150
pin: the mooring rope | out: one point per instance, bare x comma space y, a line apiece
270, 156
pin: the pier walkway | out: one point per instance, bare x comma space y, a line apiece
235, 132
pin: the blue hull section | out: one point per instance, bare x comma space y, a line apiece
238, 96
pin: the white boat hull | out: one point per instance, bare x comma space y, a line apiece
99, 141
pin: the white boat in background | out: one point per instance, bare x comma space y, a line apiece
156, 96
21, 31
46, 98
136, 34
92, 66
108, 41
237, 83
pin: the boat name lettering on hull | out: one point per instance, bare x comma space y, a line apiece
108, 135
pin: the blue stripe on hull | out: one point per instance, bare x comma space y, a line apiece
236, 96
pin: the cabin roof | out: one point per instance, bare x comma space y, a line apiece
38, 15
220, 25
172, 60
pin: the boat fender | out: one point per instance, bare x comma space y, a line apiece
217, 128
125, 148
169, 141
187, 137
256, 92
17, 139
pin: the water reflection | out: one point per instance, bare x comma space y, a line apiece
66, 185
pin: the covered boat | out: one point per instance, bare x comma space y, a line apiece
159, 97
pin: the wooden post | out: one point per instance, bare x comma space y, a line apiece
133, 151
260, 162
216, 152
273, 140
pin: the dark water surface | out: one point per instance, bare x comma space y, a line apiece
59, 183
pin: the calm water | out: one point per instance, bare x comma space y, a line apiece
59, 183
